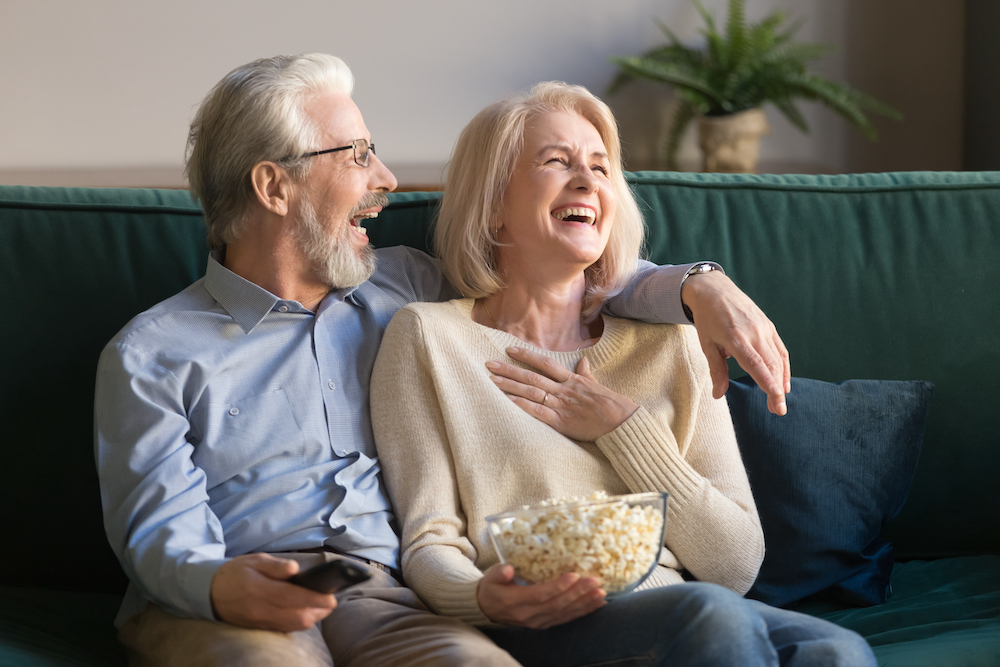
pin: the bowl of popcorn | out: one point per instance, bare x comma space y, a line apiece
614, 538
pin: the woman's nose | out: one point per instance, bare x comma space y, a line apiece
584, 179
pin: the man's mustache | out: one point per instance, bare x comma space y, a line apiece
370, 200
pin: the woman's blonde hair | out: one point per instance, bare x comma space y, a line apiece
480, 171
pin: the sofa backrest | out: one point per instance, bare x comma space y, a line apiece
889, 276
874, 276
76, 265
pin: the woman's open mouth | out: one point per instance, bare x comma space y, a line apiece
583, 214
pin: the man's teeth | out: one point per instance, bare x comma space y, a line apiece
587, 215
363, 216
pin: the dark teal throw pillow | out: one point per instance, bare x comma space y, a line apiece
826, 477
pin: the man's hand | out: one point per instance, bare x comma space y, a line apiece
538, 605
251, 591
731, 325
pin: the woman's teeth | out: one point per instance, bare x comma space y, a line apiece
576, 214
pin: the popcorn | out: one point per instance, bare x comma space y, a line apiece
611, 538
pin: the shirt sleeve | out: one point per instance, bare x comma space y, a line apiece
411, 275
154, 497
653, 295
438, 560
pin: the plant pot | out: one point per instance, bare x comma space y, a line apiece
731, 144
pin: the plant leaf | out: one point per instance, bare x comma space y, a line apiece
749, 66
792, 113
683, 115
647, 68
843, 100
736, 30
667, 32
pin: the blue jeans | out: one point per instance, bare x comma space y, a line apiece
687, 625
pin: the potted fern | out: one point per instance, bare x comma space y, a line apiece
725, 84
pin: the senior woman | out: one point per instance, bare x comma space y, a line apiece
537, 228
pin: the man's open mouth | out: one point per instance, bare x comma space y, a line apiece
369, 207
364, 215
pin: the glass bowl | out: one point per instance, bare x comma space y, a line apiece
614, 538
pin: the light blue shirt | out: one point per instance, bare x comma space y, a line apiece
230, 421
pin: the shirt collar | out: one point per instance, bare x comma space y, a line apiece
246, 302
347, 293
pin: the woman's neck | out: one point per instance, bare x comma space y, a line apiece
548, 317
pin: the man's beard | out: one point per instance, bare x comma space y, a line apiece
330, 252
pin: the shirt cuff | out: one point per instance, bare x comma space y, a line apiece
197, 587
696, 268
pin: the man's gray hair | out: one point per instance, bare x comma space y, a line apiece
255, 114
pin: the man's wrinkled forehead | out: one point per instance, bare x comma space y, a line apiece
336, 117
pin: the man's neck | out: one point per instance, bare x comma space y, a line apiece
278, 266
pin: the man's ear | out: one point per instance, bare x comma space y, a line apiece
272, 186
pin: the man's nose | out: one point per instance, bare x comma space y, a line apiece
382, 179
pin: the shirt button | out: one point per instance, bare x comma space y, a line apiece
234, 411
282, 309
331, 385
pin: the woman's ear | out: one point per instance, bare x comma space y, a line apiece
272, 186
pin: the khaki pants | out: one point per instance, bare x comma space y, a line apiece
378, 622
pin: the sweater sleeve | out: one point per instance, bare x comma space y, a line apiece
438, 560
712, 522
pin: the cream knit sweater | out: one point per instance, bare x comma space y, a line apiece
455, 449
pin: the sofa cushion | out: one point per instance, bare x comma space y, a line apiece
942, 612
44, 628
826, 477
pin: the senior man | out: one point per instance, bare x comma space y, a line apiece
233, 440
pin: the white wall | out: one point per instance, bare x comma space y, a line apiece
112, 84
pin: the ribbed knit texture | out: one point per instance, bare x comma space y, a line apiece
455, 449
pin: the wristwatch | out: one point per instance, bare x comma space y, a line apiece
700, 267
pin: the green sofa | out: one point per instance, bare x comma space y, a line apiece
875, 276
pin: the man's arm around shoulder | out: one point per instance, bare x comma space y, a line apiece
729, 323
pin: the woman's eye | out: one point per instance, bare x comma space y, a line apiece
601, 168
556, 159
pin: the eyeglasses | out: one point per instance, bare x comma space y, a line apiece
362, 151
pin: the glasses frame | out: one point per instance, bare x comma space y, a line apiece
354, 145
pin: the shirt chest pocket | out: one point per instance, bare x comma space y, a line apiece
244, 437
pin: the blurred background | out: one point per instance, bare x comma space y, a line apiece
101, 92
